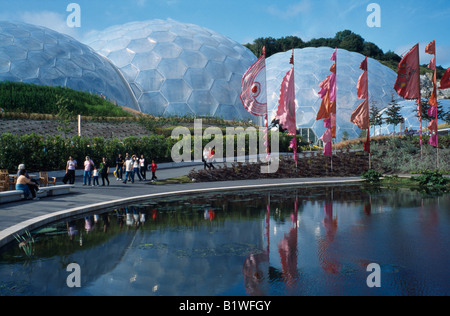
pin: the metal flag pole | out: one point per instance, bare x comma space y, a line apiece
437, 128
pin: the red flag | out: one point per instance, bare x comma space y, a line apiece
286, 103
364, 65
408, 78
360, 116
253, 88
431, 48
445, 81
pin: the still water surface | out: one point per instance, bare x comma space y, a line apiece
305, 241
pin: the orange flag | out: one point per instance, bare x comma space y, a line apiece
363, 91
360, 116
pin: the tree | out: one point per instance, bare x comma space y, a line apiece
393, 113
447, 117
375, 118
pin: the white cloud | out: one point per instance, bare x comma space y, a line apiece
51, 20
291, 11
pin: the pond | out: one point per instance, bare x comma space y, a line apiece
301, 241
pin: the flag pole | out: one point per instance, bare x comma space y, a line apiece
267, 118
437, 129
368, 118
420, 109
295, 115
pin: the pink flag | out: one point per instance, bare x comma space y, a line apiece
434, 140
408, 77
432, 64
253, 88
286, 103
432, 111
433, 126
328, 149
333, 87
334, 55
326, 137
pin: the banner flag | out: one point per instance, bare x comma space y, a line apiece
253, 88
408, 77
445, 81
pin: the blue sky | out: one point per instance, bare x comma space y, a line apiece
403, 23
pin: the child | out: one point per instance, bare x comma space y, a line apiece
154, 167
95, 177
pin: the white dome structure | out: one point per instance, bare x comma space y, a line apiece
34, 54
178, 69
312, 66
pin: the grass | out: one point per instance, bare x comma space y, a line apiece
176, 180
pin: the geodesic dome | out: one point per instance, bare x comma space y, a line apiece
312, 66
175, 68
34, 54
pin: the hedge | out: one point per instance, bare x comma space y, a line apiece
51, 152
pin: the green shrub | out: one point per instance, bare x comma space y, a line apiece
371, 176
431, 178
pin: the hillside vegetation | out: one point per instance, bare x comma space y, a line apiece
345, 40
21, 97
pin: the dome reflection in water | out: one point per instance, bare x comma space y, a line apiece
305, 241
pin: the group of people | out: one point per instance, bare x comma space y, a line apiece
133, 166
91, 171
126, 170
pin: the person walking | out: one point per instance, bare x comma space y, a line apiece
154, 167
104, 171
128, 169
88, 166
71, 166
143, 167
119, 167
135, 159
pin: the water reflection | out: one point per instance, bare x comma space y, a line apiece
309, 241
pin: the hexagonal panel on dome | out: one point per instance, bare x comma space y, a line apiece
312, 65
200, 68
176, 90
38, 55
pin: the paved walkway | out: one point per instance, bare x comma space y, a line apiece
27, 215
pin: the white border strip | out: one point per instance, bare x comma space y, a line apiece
7, 235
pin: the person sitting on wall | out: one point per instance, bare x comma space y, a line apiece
24, 184
34, 185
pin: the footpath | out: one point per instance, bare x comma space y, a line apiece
17, 217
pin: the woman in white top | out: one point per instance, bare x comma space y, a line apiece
70, 171
142, 168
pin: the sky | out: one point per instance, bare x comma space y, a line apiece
402, 23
